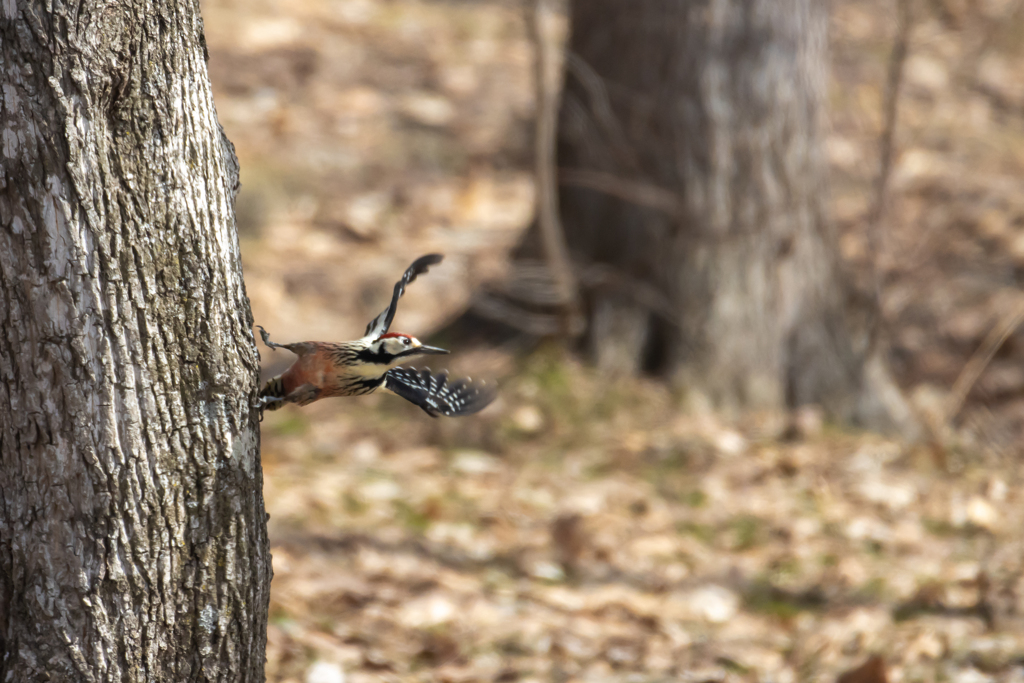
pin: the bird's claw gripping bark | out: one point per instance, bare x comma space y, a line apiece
267, 403
266, 338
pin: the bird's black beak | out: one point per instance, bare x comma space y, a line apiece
431, 350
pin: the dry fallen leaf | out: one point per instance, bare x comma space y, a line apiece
871, 671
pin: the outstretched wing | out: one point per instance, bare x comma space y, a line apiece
436, 395
382, 322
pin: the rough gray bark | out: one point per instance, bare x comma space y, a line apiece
133, 540
719, 104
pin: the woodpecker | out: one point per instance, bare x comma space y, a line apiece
359, 367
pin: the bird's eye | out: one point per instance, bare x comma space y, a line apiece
405, 340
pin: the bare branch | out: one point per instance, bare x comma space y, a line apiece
530, 284
890, 114
503, 311
556, 251
601, 107
639, 193
979, 361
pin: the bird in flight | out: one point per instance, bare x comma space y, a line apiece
355, 368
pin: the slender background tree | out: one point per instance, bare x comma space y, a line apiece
133, 541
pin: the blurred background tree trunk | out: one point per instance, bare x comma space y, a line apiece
133, 542
694, 200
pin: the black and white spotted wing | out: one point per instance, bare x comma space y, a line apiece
382, 322
436, 395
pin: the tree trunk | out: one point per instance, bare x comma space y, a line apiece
689, 139
133, 541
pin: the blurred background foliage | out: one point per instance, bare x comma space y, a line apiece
602, 526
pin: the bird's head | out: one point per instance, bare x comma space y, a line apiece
394, 348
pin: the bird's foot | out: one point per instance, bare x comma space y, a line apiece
267, 403
266, 338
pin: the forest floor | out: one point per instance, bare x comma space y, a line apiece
586, 528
